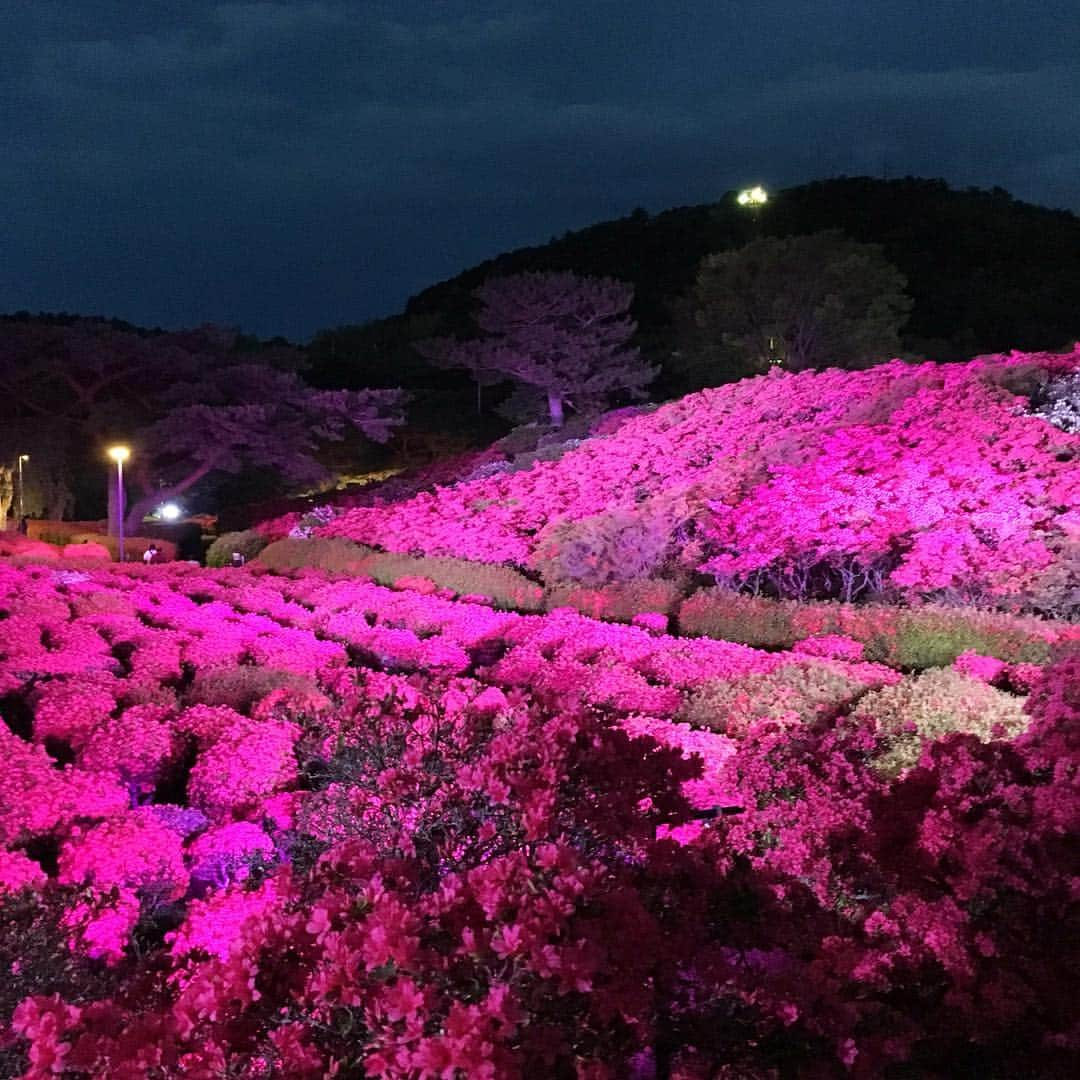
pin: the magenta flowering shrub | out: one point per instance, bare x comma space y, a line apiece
900, 923
136, 747
130, 851
36, 797
243, 763
466, 842
69, 710
214, 926
989, 669
440, 473
953, 496
99, 924
227, 853
18, 872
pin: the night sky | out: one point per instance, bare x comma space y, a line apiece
286, 167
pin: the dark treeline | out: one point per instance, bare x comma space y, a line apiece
985, 272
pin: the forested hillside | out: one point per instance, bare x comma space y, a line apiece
986, 271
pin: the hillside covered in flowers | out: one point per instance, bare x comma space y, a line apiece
901, 481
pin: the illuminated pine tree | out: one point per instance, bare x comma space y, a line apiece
563, 335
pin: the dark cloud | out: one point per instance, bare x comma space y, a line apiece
292, 165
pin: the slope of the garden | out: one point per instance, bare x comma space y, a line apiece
922, 480
263, 825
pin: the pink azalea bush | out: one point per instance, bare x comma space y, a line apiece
18, 872
129, 851
262, 824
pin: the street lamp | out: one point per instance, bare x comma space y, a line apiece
22, 507
119, 454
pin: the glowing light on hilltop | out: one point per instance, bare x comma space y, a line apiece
755, 196
169, 511
119, 454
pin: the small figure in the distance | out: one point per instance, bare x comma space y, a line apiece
152, 555
238, 558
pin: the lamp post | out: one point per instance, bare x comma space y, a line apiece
22, 506
120, 454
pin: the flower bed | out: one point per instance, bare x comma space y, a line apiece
294, 825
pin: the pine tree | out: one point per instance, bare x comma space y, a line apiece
564, 335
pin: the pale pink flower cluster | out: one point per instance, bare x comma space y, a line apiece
837, 646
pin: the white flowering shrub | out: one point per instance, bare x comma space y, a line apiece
1061, 405
312, 520
69, 577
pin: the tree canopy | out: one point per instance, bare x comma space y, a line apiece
802, 302
191, 404
567, 337
960, 250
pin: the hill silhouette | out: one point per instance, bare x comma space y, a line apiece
987, 272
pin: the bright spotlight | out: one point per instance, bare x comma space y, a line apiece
169, 512
119, 454
755, 196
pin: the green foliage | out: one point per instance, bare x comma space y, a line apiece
960, 251
804, 302
731, 616
249, 543
934, 637
243, 687
563, 337
936, 703
334, 554
503, 586
907, 638
797, 693
46, 475
617, 546
378, 354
